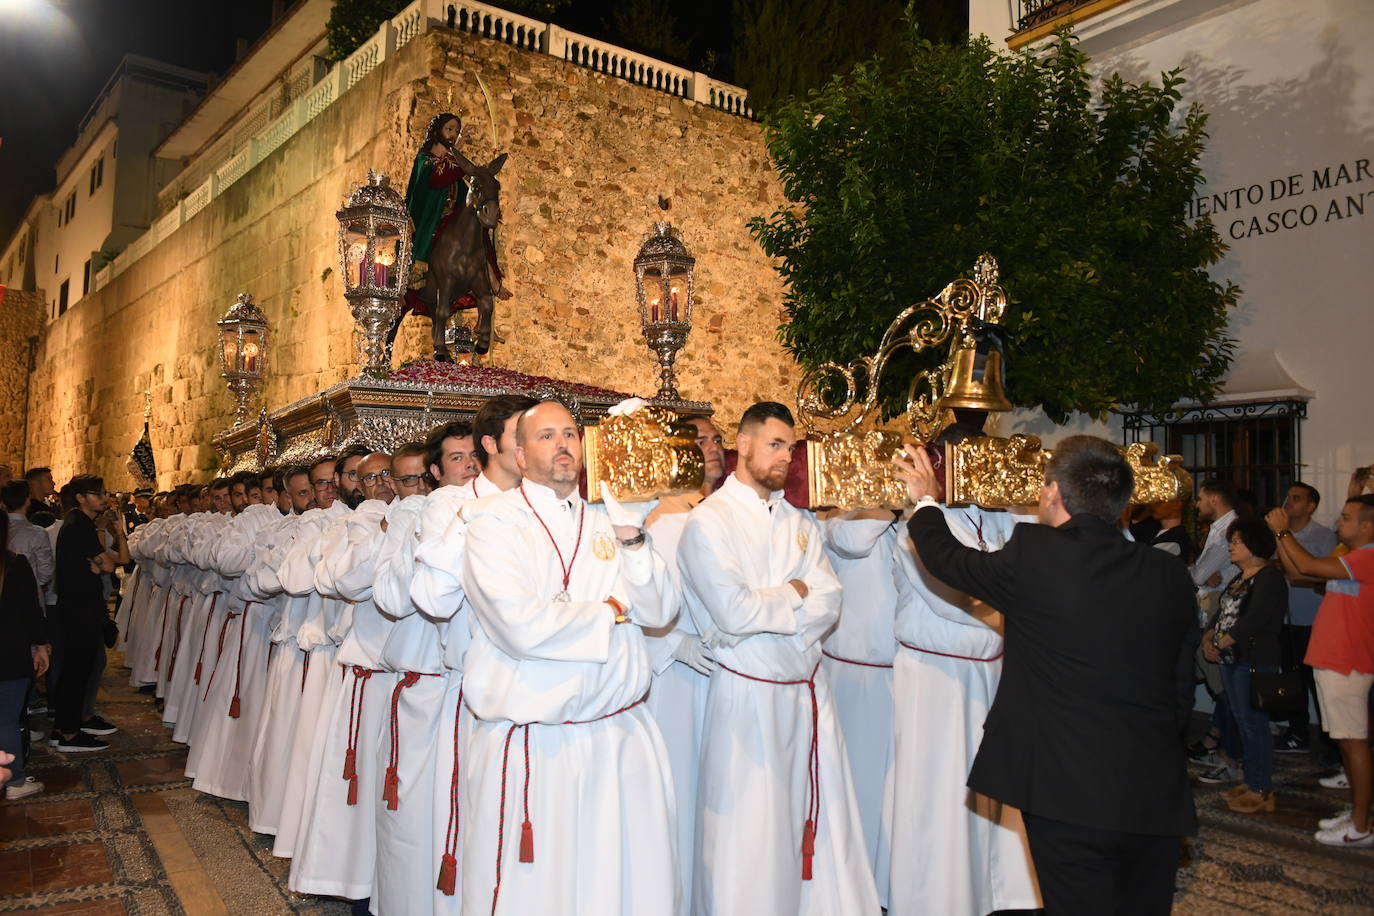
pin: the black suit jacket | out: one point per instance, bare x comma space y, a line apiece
1089, 720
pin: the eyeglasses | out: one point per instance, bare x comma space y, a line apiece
351, 475
409, 480
372, 478
323, 484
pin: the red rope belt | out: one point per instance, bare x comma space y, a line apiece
853, 661
448, 863
391, 786
181, 613
305, 668
162, 631
205, 633
219, 652
355, 725
813, 764
966, 658
238, 667
527, 828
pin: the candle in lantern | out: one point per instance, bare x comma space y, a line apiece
653, 311
672, 305
384, 261
250, 356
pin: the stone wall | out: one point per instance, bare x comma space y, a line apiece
589, 157
21, 320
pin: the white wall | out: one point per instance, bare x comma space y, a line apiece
1289, 88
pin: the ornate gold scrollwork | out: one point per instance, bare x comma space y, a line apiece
643, 455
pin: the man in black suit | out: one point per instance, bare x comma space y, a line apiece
1086, 734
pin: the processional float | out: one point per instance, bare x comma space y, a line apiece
845, 463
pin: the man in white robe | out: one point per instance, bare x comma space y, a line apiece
201, 536
572, 797
299, 632
960, 853
437, 592
408, 863
235, 685
682, 663
778, 827
858, 656
336, 851
142, 547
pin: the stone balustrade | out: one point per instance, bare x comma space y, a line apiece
257, 134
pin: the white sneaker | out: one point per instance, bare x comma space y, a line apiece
1341, 817
1337, 780
1347, 836
29, 786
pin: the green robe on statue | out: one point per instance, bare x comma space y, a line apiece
427, 198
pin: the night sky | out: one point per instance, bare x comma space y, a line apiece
55, 56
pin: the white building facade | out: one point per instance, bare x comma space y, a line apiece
1289, 178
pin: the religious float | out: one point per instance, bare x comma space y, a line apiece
845, 461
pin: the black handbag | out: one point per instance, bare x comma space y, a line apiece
1279, 693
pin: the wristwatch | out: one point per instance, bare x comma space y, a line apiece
634, 541
1285, 533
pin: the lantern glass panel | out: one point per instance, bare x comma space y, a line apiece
387, 248
250, 352
229, 349
654, 305
355, 247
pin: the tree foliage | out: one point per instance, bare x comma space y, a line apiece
898, 175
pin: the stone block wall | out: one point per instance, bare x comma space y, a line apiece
590, 155
21, 325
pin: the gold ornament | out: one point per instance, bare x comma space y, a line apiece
645, 455
603, 548
802, 541
854, 471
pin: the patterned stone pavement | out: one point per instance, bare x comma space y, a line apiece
122, 832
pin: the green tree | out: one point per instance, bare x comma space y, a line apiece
898, 175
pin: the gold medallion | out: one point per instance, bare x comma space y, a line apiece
602, 547
802, 541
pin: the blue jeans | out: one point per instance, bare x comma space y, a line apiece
1257, 747
13, 695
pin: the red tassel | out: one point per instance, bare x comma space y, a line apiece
234, 708
197, 672
526, 842
350, 764
391, 788
353, 790
808, 848
448, 875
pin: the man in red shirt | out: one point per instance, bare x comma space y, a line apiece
1341, 652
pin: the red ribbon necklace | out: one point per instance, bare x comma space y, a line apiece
577, 544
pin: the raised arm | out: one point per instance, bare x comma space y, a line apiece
989, 577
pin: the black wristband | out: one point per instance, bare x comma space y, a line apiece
634, 541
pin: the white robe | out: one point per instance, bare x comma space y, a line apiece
737, 556
139, 599
199, 537
556, 688
677, 699
221, 742
858, 656
336, 852
960, 853
298, 632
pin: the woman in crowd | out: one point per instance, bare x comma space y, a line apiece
1245, 639
23, 656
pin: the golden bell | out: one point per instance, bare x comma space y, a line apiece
964, 392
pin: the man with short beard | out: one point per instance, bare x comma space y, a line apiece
557, 672
268, 485
336, 849
682, 663
346, 475
778, 824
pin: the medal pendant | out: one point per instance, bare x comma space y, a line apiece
562, 596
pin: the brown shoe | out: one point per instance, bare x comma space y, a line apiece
1250, 802
1239, 788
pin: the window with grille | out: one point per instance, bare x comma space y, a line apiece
1258, 446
